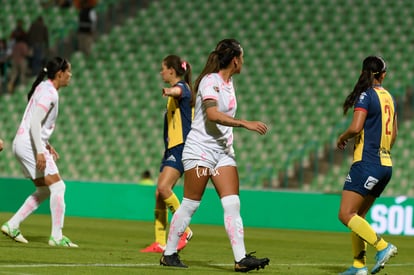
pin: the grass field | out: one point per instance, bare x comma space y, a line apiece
112, 247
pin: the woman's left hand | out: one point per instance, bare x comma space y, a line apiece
341, 143
256, 126
53, 152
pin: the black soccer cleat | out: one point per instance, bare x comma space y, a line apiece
172, 260
250, 262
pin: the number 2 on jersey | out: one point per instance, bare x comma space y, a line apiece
387, 111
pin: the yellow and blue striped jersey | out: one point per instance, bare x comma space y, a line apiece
373, 143
178, 117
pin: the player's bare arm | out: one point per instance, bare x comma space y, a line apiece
218, 117
394, 131
172, 91
354, 129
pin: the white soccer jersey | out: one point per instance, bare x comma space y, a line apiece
215, 136
45, 96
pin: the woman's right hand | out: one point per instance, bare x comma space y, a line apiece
40, 162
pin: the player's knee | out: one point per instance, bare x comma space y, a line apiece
344, 217
190, 206
231, 203
57, 187
164, 190
42, 192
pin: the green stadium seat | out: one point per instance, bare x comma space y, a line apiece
299, 66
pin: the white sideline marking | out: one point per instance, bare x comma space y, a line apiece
156, 264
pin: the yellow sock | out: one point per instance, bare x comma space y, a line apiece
161, 220
359, 249
362, 228
173, 203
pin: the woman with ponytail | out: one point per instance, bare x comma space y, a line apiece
209, 154
177, 123
374, 130
37, 157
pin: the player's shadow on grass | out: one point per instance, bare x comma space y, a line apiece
37, 239
210, 265
333, 269
31, 239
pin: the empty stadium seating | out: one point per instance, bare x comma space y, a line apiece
301, 60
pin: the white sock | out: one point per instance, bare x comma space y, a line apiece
57, 208
29, 206
234, 225
180, 220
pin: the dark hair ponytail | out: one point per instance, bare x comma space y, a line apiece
372, 68
212, 66
52, 67
39, 79
188, 79
220, 58
182, 69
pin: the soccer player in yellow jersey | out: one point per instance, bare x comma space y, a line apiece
177, 125
374, 128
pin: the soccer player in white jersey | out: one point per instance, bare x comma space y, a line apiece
208, 154
37, 157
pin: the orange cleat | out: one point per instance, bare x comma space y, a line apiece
184, 240
154, 248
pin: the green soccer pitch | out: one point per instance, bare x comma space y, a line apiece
112, 247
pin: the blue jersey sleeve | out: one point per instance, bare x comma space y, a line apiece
363, 101
185, 91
